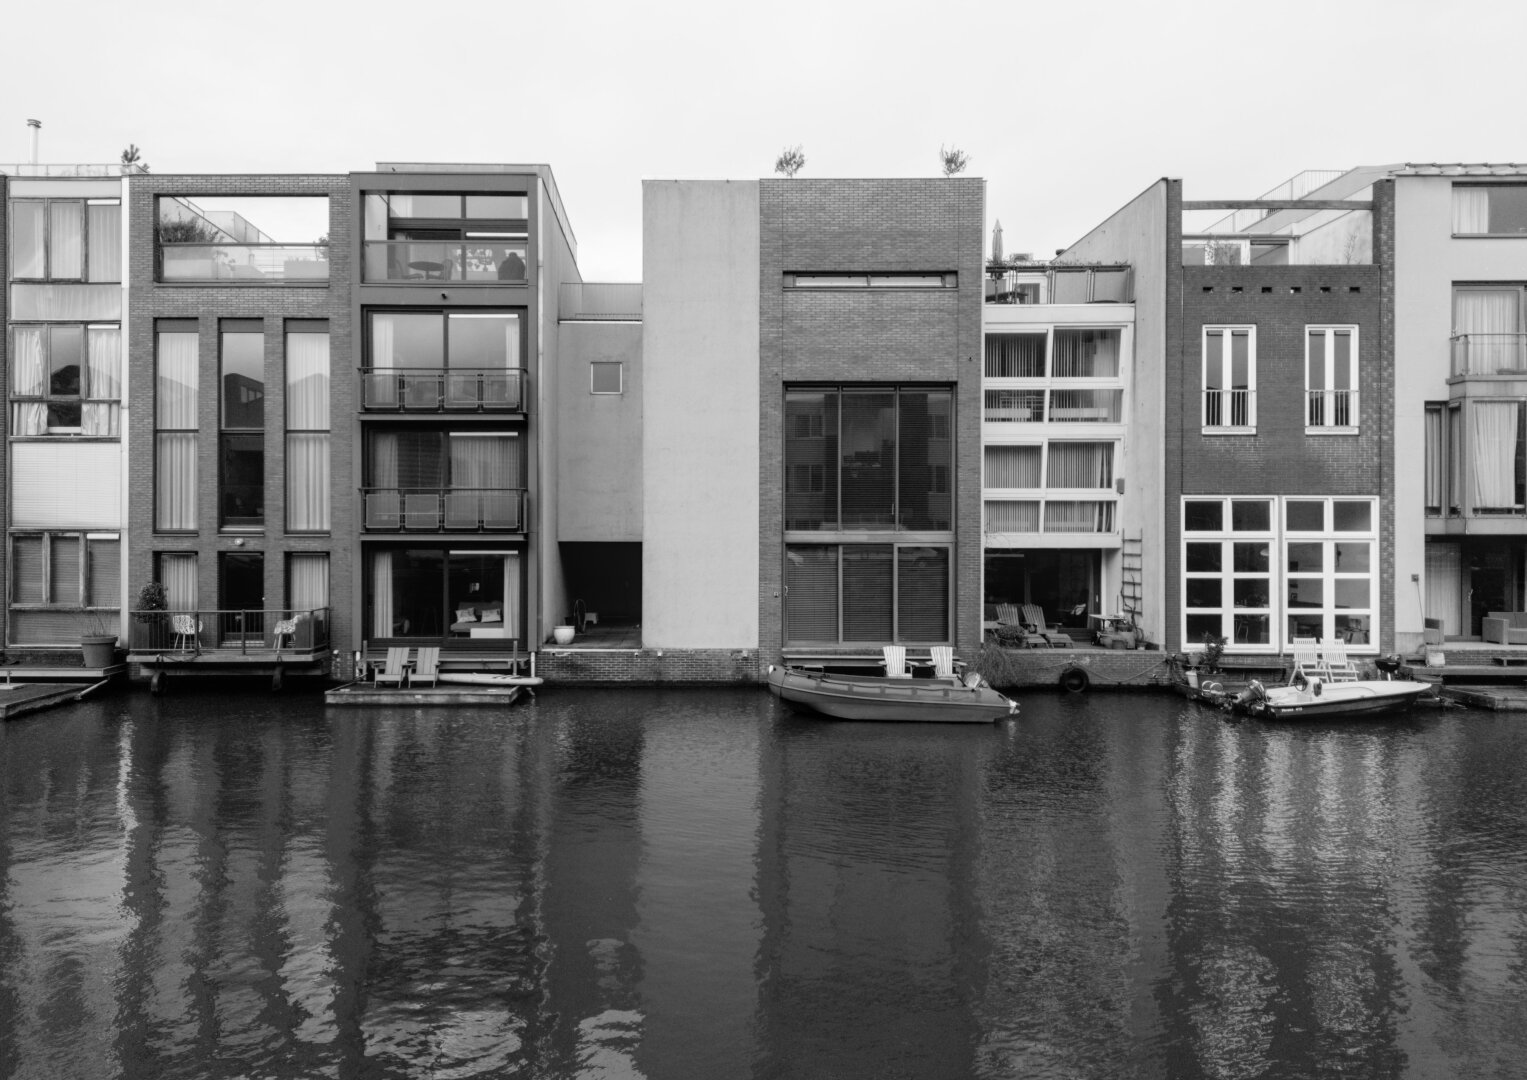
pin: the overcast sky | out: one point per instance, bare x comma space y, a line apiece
1067, 109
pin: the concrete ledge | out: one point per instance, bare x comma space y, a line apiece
20, 699
366, 694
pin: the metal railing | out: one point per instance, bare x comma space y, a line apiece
1331, 408
1230, 408
287, 631
1489, 354
444, 509
247, 264
592, 301
443, 389
429, 261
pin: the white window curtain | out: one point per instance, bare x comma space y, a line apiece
1471, 210
490, 461
307, 481
1086, 354
29, 230
66, 236
307, 381
310, 581
381, 594
27, 380
1444, 586
1492, 453
1492, 320
105, 253
1080, 465
381, 386
1435, 478
104, 363
175, 407
384, 459
1013, 466
177, 573
512, 593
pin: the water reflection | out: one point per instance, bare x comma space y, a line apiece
683, 883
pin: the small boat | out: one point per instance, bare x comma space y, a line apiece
1311, 698
489, 678
876, 697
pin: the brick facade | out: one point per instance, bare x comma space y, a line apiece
150, 301
871, 337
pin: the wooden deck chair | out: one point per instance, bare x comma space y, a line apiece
1034, 622
1333, 657
1307, 659
1007, 615
395, 670
943, 661
426, 667
895, 662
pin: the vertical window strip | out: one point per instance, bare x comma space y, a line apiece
176, 392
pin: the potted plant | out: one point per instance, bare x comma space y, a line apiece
98, 646
153, 603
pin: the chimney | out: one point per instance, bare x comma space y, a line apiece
36, 126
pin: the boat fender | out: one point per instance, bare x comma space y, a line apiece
1315, 687
1074, 680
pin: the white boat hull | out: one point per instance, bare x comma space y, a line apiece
1333, 700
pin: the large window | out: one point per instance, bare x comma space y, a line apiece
241, 449
430, 360
1490, 209
244, 240
64, 584
66, 239
176, 393
428, 237
1261, 571
66, 380
432, 480
307, 426
1330, 365
865, 462
1488, 336
1079, 474
443, 595
1230, 377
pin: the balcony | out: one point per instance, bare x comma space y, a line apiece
1331, 408
443, 389
587, 301
499, 262
1489, 354
244, 264
413, 510
250, 634
1060, 285
1230, 408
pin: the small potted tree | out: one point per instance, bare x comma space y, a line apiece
153, 602
98, 646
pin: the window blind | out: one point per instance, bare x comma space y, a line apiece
922, 594
811, 593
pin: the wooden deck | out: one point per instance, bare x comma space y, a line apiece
231, 661
429, 696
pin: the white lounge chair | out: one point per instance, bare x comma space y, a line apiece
895, 662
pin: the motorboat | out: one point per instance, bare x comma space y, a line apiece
944, 699
1311, 698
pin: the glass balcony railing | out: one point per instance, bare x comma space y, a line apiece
445, 509
244, 264
432, 261
1489, 354
443, 389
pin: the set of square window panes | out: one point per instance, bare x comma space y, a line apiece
66, 240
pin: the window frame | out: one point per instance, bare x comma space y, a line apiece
228, 434
895, 547
314, 328
85, 276
47, 538
1330, 402
83, 398
1226, 363
620, 370
1456, 187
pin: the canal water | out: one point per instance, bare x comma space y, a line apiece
695, 883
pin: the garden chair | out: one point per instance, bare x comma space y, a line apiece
1333, 657
395, 669
1034, 623
895, 662
187, 633
426, 666
1307, 659
943, 661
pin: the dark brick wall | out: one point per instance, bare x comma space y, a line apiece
697, 666
149, 301
932, 225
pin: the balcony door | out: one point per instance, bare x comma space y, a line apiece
241, 589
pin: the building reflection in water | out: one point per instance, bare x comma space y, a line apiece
702, 884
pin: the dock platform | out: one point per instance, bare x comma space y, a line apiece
363, 693
19, 698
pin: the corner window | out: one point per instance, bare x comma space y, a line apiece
1229, 374
1330, 388
1490, 209
606, 377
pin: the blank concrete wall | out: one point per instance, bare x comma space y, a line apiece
700, 414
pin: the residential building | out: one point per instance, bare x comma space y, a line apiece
1266, 332
65, 439
1059, 420
1460, 389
